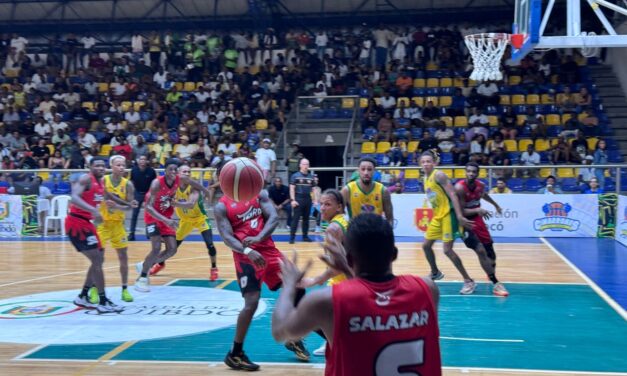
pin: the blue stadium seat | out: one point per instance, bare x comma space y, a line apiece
317, 114
331, 113
446, 158
514, 157
544, 157
610, 184
516, 184
554, 130
570, 185
48, 184
413, 186
62, 188
614, 156
4, 184
533, 184
346, 114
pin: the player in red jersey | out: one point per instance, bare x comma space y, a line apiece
376, 323
470, 192
246, 227
160, 227
88, 193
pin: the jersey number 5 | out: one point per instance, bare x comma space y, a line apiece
399, 355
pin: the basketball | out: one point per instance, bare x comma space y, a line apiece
241, 179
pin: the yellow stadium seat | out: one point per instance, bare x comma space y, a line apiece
383, 147
44, 175
363, 102
395, 172
105, 150
520, 119
472, 83
458, 82
199, 85
403, 100
412, 174
103, 87
179, 86
522, 144
448, 172
50, 149
88, 105
533, 99
518, 99
514, 80
547, 99
592, 143
207, 175
435, 100
553, 119
420, 82
261, 124
493, 121
459, 173
447, 120
582, 116
368, 148
189, 86
565, 173
446, 82
274, 105
505, 100
510, 145
348, 102
433, 82
175, 149
553, 141
126, 105
542, 145
238, 145
196, 174
377, 101
446, 101
483, 173
138, 105
545, 172
420, 101
461, 121
566, 117
412, 146
431, 66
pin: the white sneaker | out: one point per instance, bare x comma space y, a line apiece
469, 288
139, 267
142, 284
321, 350
83, 301
109, 307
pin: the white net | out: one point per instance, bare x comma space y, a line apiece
487, 50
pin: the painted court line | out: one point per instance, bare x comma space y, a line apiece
31, 351
483, 339
590, 282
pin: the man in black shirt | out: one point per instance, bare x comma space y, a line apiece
280, 196
301, 184
141, 177
427, 142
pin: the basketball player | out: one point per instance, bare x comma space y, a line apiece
189, 207
470, 192
446, 223
246, 227
376, 323
119, 192
87, 194
366, 195
160, 227
332, 211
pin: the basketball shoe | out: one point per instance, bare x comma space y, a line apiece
83, 301
156, 268
214, 274
142, 284
437, 276
320, 351
240, 362
469, 287
298, 347
500, 290
108, 307
126, 296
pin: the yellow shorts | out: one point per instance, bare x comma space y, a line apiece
445, 229
186, 226
114, 232
337, 279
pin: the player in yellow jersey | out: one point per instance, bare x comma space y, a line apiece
365, 195
119, 193
189, 207
447, 222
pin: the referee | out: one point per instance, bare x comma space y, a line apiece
301, 184
141, 177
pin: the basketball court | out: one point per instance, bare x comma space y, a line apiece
558, 319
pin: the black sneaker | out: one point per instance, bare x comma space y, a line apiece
240, 362
291, 240
131, 238
298, 347
307, 239
437, 276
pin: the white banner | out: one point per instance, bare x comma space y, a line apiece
524, 215
621, 220
10, 215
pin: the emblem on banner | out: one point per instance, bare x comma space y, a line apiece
422, 216
4, 210
556, 218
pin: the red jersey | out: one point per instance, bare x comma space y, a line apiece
381, 327
472, 195
93, 196
163, 201
246, 218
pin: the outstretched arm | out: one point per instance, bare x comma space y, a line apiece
489, 199
192, 201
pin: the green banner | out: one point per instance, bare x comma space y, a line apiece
607, 215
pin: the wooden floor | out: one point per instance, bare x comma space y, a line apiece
37, 267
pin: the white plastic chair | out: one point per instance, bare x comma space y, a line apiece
59, 207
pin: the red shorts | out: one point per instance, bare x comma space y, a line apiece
159, 229
82, 233
250, 276
479, 233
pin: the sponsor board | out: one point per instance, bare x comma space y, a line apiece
621, 220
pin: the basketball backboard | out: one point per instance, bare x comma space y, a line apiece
530, 20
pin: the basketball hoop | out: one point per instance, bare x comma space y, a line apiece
487, 50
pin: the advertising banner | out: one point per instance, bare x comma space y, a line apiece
621, 220
10, 216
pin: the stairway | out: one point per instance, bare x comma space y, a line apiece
614, 102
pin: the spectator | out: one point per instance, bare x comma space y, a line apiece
122, 148
595, 187
458, 104
41, 153
600, 158
430, 115
162, 150
550, 187
566, 101
489, 93
586, 173
185, 150
86, 140
142, 176
280, 196
141, 149
507, 123
535, 122
501, 187
385, 127
60, 138
266, 158
44, 195
427, 142
499, 158
530, 158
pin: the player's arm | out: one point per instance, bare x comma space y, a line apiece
293, 195
271, 219
388, 210
192, 201
78, 187
346, 197
196, 185
226, 232
333, 230
150, 205
489, 199
443, 180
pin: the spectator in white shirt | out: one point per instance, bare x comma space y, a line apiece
227, 147
86, 140
160, 77
321, 43
185, 150
387, 101
137, 46
530, 158
58, 123
266, 158
43, 129
19, 43
132, 117
489, 93
202, 95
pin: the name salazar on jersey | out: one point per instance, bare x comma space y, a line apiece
393, 322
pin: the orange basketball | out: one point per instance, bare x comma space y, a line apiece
241, 179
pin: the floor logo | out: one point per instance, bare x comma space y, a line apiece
556, 218
166, 311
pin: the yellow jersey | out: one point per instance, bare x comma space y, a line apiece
343, 223
194, 213
365, 202
439, 200
119, 191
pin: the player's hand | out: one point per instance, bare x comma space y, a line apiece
97, 217
335, 256
307, 282
256, 259
171, 223
249, 240
467, 224
499, 209
134, 204
294, 203
484, 214
290, 274
111, 204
